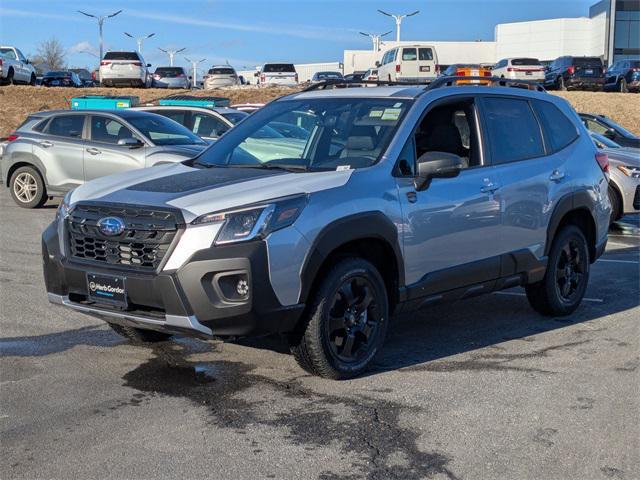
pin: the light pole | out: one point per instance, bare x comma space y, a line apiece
171, 53
101, 20
398, 19
139, 40
194, 64
375, 39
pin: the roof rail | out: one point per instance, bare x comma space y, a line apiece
325, 84
450, 81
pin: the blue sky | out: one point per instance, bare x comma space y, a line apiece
248, 33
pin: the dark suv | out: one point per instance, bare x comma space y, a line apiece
623, 76
575, 73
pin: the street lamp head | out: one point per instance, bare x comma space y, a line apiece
412, 14
128, 35
385, 13
87, 14
114, 14
150, 35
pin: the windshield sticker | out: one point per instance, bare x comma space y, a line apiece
397, 105
375, 113
341, 168
391, 114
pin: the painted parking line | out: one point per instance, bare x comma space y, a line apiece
634, 262
518, 294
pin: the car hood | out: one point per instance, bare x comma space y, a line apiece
197, 191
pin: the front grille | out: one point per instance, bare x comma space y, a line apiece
636, 198
143, 245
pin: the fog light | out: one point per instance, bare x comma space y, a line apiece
242, 287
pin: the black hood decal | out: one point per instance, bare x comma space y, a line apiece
202, 179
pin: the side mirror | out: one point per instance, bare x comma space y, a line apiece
610, 134
148, 64
27, 61
377, 63
130, 142
436, 165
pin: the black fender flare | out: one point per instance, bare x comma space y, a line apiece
580, 200
347, 229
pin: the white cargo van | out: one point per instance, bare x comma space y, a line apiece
415, 63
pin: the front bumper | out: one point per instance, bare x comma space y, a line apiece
197, 300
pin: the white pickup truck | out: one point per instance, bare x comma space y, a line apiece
15, 68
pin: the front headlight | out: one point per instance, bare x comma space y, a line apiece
630, 171
63, 208
241, 225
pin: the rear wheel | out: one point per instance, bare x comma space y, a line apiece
27, 188
138, 336
565, 282
616, 204
561, 86
624, 88
10, 74
346, 323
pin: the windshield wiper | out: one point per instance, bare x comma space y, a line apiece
275, 166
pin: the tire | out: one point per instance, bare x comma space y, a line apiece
561, 86
616, 204
624, 88
565, 281
138, 336
10, 80
348, 312
32, 82
27, 188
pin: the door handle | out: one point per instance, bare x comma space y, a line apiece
93, 151
412, 197
556, 176
46, 144
489, 187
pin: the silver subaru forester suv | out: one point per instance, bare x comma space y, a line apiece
398, 197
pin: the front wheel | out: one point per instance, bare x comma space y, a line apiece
616, 204
32, 82
138, 336
346, 322
565, 282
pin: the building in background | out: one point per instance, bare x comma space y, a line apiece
611, 31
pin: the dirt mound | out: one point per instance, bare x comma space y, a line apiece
16, 102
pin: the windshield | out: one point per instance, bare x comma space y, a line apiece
163, 131
601, 141
235, 117
618, 127
316, 134
57, 74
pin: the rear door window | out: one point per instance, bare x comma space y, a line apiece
409, 54
513, 131
425, 54
559, 131
66, 126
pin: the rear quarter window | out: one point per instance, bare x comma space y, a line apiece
558, 130
425, 54
513, 131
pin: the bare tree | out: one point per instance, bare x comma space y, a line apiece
52, 53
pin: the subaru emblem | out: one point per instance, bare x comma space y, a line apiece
110, 226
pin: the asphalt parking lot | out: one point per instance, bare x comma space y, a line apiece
482, 389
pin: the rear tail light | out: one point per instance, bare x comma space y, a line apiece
486, 74
460, 73
12, 137
633, 69
437, 69
296, 78
571, 70
263, 78
105, 62
603, 161
0, 62
397, 68
510, 69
